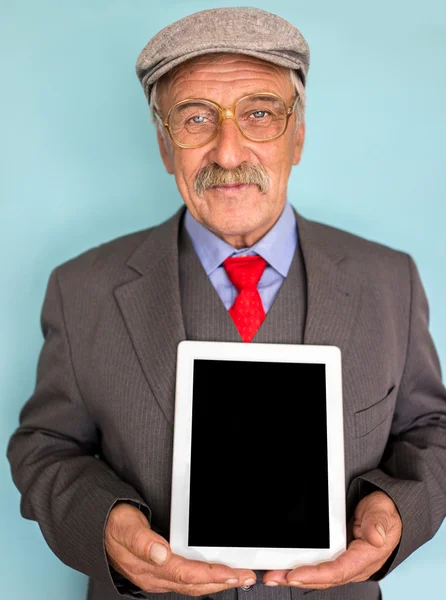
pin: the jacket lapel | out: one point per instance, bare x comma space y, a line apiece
151, 304
333, 287
151, 309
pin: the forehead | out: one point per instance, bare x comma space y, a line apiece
224, 79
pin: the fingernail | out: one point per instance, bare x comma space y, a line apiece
380, 530
232, 581
158, 553
295, 582
250, 581
271, 583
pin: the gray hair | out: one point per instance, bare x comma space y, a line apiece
296, 81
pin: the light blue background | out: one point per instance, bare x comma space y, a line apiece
79, 166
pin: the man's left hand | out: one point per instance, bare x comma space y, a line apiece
375, 530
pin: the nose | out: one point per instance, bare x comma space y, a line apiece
229, 146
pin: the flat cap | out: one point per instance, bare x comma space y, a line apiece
240, 30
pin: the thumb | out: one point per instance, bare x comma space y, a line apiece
159, 552
136, 535
147, 545
374, 527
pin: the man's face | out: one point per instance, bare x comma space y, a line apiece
241, 215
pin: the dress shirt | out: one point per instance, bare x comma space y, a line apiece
277, 247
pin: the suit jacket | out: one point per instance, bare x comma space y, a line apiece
98, 427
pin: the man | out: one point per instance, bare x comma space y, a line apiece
92, 454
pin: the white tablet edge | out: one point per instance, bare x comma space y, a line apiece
257, 558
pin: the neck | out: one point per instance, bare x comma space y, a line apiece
247, 240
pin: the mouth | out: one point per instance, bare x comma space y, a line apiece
230, 187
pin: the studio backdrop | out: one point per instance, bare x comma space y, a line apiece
79, 165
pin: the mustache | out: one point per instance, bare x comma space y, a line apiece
247, 173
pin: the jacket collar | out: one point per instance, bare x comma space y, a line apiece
151, 303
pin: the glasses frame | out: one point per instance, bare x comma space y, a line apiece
226, 113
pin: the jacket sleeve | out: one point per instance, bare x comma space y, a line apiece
413, 468
55, 459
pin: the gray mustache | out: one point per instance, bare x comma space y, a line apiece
247, 173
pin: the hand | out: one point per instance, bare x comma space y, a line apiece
376, 530
145, 558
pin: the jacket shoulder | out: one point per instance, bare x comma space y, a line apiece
351, 242
376, 263
97, 272
354, 246
105, 260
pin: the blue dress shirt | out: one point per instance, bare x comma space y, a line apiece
277, 247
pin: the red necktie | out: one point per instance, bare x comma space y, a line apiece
247, 312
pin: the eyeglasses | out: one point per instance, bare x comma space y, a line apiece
260, 117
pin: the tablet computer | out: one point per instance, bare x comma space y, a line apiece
258, 456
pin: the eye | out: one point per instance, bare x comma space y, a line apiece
260, 114
197, 120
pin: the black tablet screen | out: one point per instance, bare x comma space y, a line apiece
259, 473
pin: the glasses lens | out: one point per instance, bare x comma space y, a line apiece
261, 116
193, 123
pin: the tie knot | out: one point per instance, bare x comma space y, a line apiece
245, 271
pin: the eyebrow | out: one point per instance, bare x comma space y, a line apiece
262, 97
254, 96
190, 103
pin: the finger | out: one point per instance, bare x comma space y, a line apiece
159, 578
185, 571
354, 564
152, 583
199, 590
360, 577
277, 577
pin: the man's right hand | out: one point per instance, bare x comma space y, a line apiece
145, 558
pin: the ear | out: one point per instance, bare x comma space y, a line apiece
166, 150
300, 136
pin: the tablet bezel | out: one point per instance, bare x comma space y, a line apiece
257, 558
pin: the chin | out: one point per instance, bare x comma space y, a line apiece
238, 214
235, 226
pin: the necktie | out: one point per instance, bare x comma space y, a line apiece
247, 312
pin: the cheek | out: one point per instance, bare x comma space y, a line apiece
187, 165
277, 162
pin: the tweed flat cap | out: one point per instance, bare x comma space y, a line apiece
240, 30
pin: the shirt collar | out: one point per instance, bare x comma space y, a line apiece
277, 246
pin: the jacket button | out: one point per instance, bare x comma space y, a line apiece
246, 588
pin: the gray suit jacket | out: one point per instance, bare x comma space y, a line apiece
98, 427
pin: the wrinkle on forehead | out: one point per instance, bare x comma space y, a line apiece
211, 76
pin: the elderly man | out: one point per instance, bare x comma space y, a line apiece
92, 454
